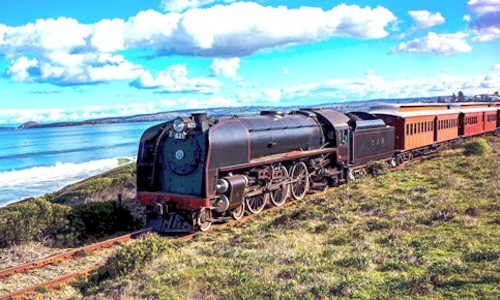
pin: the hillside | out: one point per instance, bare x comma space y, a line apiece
431, 230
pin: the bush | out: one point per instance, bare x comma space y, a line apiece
102, 218
379, 167
130, 257
37, 219
477, 147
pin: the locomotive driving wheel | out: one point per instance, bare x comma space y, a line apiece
278, 197
204, 219
256, 204
239, 212
300, 176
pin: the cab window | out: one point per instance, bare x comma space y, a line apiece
344, 137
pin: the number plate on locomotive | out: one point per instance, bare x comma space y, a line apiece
176, 223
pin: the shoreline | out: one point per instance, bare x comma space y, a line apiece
120, 163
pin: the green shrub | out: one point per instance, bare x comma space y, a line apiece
378, 167
37, 219
102, 218
130, 257
32, 219
477, 147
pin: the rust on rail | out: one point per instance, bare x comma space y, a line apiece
68, 254
54, 282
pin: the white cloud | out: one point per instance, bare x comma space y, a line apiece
486, 22
63, 69
426, 19
108, 35
213, 102
272, 95
19, 68
373, 86
175, 80
446, 44
225, 67
182, 5
285, 71
495, 67
69, 53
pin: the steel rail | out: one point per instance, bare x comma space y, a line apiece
68, 254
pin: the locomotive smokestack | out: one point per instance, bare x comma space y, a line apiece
199, 118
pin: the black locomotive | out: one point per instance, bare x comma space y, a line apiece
194, 170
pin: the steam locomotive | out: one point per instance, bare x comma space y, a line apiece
195, 170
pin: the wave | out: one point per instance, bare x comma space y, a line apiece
37, 181
65, 151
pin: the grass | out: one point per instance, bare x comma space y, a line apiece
428, 231
99, 188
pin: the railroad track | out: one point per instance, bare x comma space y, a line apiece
24, 268
72, 277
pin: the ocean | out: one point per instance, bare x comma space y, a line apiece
34, 162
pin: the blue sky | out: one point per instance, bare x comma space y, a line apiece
64, 60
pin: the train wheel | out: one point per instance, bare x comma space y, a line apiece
300, 174
279, 196
204, 219
239, 212
256, 204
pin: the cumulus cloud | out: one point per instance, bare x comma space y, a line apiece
426, 19
65, 52
225, 67
445, 44
495, 67
486, 22
175, 80
65, 69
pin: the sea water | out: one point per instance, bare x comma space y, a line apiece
34, 162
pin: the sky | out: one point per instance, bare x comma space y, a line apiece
65, 60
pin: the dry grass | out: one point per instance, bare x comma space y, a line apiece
21, 254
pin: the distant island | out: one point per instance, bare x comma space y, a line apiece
362, 105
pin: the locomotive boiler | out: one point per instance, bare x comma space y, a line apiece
194, 170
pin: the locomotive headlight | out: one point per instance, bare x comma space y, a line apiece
179, 125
